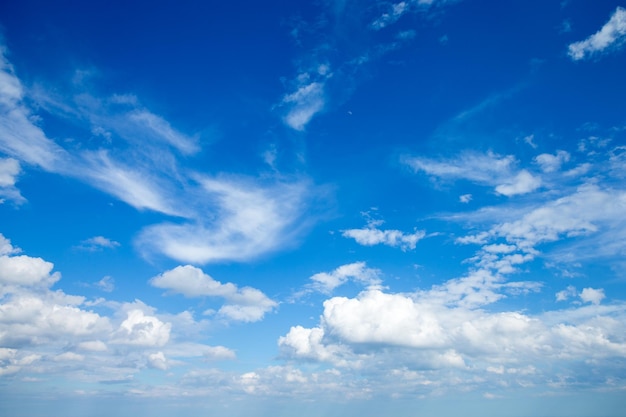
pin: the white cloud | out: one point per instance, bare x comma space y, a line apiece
97, 243
9, 170
249, 220
141, 330
611, 36
93, 346
592, 295
19, 136
106, 284
523, 183
465, 198
396, 11
566, 294
486, 169
143, 124
26, 271
243, 304
304, 104
44, 331
421, 330
358, 272
219, 218
551, 163
158, 360
370, 236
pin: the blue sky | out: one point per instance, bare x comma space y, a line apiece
326, 208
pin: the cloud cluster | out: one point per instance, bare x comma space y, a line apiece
460, 334
611, 36
44, 330
242, 304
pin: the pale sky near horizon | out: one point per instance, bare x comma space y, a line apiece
325, 208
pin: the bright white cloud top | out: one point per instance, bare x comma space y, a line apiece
405, 208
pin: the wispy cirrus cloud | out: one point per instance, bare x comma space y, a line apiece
395, 11
322, 79
489, 169
611, 36
136, 160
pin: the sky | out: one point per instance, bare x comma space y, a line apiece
315, 208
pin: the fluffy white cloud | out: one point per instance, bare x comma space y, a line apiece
242, 304
487, 169
523, 183
27, 271
419, 330
611, 35
47, 332
592, 295
141, 330
158, 361
551, 163
371, 235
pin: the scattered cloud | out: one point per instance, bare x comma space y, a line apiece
485, 169
358, 272
371, 235
106, 284
395, 11
465, 198
610, 37
303, 104
9, 170
218, 217
551, 163
242, 304
592, 295
97, 243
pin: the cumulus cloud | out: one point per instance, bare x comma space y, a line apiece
523, 183
486, 169
610, 37
242, 304
385, 326
46, 331
592, 295
551, 163
371, 235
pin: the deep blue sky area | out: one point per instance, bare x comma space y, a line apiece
338, 207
